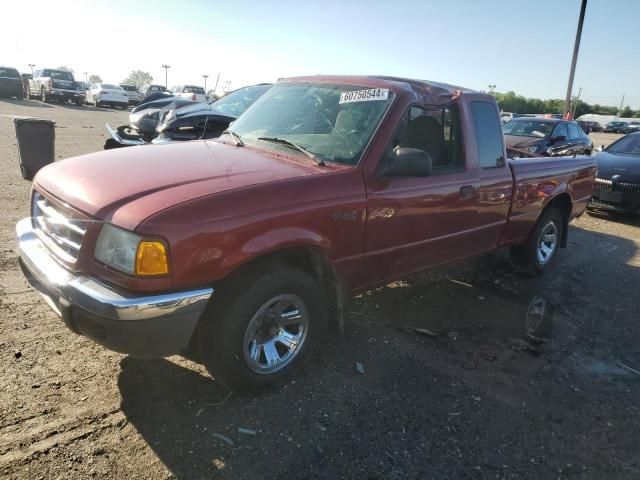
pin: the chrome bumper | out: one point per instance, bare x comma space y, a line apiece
149, 325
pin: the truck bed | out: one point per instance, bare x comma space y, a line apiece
537, 181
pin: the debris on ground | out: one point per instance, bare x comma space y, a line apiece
246, 431
224, 438
422, 331
360, 368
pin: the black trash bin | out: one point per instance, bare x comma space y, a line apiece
36, 144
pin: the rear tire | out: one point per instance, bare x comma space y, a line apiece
534, 256
263, 328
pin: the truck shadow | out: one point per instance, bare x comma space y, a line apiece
470, 325
25, 103
628, 218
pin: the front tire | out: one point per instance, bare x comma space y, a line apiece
535, 255
263, 329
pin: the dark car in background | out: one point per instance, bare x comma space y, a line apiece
589, 126
632, 127
615, 127
151, 89
11, 83
190, 122
168, 118
617, 184
548, 137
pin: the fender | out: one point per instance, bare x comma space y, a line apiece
275, 240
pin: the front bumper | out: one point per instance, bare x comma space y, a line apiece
67, 94
149, 326
621, 201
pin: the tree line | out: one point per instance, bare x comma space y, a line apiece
510, 102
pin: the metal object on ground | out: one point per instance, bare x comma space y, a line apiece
36, 144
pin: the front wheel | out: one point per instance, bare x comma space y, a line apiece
534, 256
263, 329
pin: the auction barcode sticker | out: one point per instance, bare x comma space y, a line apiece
364, 95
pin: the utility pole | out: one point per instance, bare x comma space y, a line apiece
217, 79
621, 105
31, 65
166, 75
575, 103
576, 48
85, 77
205, 82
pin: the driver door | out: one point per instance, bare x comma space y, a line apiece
417, 222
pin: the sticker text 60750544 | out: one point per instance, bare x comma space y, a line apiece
364, 95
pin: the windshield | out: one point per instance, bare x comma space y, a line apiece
192, 89
9, 72
58, 74
333, 122
235, 103
628, 145
528, 128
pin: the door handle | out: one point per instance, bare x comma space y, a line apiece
467, 192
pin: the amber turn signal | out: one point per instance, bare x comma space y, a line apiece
151, 259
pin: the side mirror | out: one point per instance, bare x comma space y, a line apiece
409, 162
599, 148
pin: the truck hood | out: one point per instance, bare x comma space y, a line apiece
127, 185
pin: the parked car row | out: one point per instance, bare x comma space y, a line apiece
53, 84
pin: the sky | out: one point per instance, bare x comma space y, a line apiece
518, 45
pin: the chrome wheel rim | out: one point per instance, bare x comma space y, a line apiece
276, 333
547, 243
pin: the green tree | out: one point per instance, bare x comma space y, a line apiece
95, 78
626, 112
138, 78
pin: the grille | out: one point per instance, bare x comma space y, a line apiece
610, 186
62, 234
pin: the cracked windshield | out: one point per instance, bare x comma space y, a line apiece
319, 240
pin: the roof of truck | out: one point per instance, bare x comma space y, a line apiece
431, 92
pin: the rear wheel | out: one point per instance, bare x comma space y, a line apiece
263, 329
533, 256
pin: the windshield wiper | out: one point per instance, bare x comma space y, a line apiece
289, 143
236, 138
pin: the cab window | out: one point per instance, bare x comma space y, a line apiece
436, 132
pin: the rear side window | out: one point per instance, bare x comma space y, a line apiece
192, 89
574, 131
561, 131
488, 134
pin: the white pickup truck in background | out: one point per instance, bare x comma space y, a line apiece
52, 84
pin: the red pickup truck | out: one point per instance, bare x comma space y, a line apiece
249, 245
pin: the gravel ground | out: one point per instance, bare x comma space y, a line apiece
467, 372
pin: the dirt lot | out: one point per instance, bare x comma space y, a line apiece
525, 378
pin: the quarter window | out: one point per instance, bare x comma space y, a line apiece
488, 134
573, 131
561, 131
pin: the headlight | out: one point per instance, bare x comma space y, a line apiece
129, 253
533, 149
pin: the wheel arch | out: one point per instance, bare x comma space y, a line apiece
308, 257
564, 204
